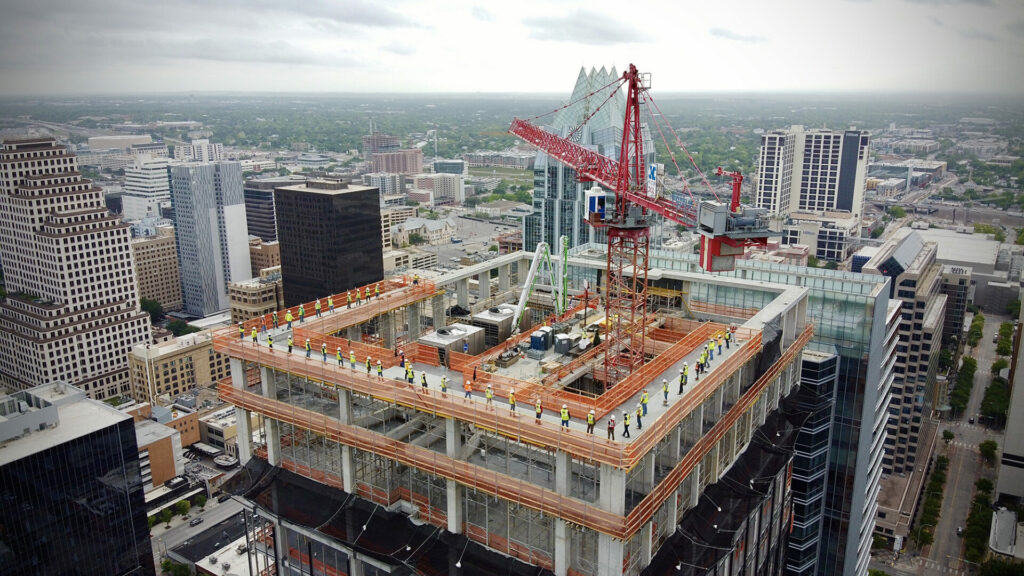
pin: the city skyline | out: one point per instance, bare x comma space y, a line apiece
891, 46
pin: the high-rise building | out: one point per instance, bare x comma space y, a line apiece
330, 239
408, 161
558, 195
377, 142
263, 255
390, 185
442, 166
199, 151
1010, 480
916, 284
146, 185
156, 268
812, 171
448, 189
959, 291
162, 372
213, 241
72, 310
260, 216
71, 486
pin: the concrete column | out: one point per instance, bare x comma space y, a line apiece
269, 378
694, 480
387, 329
522, 268
352, 333
462, 292
453, 438
672, 507
562, 541
280, 546
243, 437
437, 311
273, 429
612, 495
355, 565
348, 470
563, 472
645, 542
609, 554
484, 285
239, 379
412, 312
456, 497
504, 277
650, 463
344, 406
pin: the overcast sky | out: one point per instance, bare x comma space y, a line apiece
116, 46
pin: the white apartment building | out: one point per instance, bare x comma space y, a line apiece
199, 151
72, 312
448, 189
212, 234
146, 185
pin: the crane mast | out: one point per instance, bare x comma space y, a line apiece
725, 229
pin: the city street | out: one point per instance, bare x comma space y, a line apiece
164, 539
965, 463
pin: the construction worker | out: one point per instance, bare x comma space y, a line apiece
380, 370
309, 349
565, 416
254, 335
643, 400
591, 420
415, 279
270, 342
639, 415
316, 307
302, 313
401, 360
489, 394
288, 318
352, 359
263, 325
625, 424
423, 380
465, 347
538, 408
241, 331
337, 354
684, 373
349, 296
290, 344
359, 297
368, 365
323, 350
273, 317
728, 337
711, 348
720, 342
468, 387
409, 374
330, 303
512, 402
611, 427
444, 384
664, 390
376, 291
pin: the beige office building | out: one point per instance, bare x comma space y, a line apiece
156, 268
162, 372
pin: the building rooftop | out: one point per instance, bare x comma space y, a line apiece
957, 247
148, 432
326, 187
76, 416
223, 418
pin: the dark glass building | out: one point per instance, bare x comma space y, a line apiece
259, 205
330, 237
71, 498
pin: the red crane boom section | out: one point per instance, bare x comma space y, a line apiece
591, 166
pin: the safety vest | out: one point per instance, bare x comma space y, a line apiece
444, 384
338, 354
302, 311
644, 398
241, 331
359, 295
288, 316
728, 336
380, 369
352, 357
590, 418
664, 385
468, 386
323, 349
537, 405
274, 317
423, 378
625, 419
349, 295
330, 301
512, 398
253, 333
565, 414
317, 305
270, 340
290, 341
489, 394
307, 345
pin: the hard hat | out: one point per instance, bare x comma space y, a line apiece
565, 405
307, 339
239, 323
666, 379
351, 352
638, 406
488, 385
339, 348
367, 357
684, 364
623, 412
612, 418
591, 411
378, 362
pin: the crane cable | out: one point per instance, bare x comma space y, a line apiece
683, 147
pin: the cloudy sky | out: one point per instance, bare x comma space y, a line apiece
117, 46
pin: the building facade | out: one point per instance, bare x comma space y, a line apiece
72, 310
959, 291
156, 268
1010, 479
376, 142
263, 255
70, 478
399, 161
213, 240
447, 188
389, 184
199, 151
260, 216
162, 372
916, 284
442, 166
257, 297
146, 185
328, 230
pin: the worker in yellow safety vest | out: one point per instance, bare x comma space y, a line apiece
254, 337
288, 318
309, 349
512, 402
352, 359
565, 416
323, 350
643, 400
241, 331
380, 371
337, 354
591, 420
290, 344
270, 341
376, 290
302, 313
625, 424
330, 303
540, 411
489, 394
349, 296
359, 297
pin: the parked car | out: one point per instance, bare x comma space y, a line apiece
223, 498
196, 521
970, 420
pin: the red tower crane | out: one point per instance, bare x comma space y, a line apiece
724, 229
